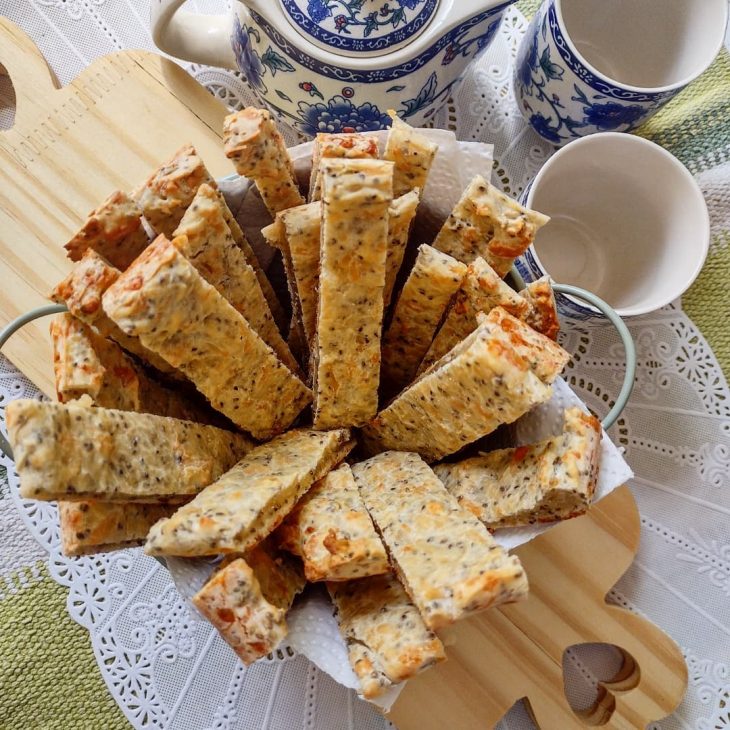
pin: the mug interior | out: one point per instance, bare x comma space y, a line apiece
628, 222
646, 44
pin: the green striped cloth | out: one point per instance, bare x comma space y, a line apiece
48, 676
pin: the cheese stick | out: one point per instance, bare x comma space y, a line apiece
433, 280
114, 230
76, 452
353, 146
543, 314
164, 301
205, 239
551, 480
481, 291
356, 195
387, 641
247, 600
482, 383
257, 149
401, 213
487, 223
412, 153
332, 533
170, 189
449, 564
250, 501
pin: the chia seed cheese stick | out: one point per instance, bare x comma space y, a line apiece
401, 213
355, 146
77, 452
331, 531
481, 291
247, 600
479, 385
387, 640
164, 301
250, 500
449, 564
356, 195
205, 240
412, 153
433, 280
543, 314
81, 291
552, 480
487, 223
114, 230
170, 189
258, 151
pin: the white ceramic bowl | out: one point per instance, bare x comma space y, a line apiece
628, 222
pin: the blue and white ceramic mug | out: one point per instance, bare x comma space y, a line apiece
588, 66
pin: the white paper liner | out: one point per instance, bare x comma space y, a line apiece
313, 629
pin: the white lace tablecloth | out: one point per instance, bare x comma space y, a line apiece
168, 670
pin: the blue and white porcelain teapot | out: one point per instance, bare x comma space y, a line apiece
338, 65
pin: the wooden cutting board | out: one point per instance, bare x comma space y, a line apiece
125, 114
68, 149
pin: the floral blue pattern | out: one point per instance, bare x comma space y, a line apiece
340, 115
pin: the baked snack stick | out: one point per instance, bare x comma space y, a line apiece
280, 316
81, 291
165, 302
487, 223
331, 531
551, 480
387, 640
412, 152
114, 230
433, 280
205, 240
401, 213
479, 385
356, 195
69, 451
481, 290
449, 564
170, 189
95, 527
247, 600
353, 146
545, 357
543, 314
257, 150
250, 500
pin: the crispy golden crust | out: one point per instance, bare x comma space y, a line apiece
401, 213
543, 314
551, 480
387, 641
487, 223
433, 280
250, 500
412, 154
346, 370
481, 290
257, 149
170, 189
164, 301
205, 239
480, 384
331, 531
449, 564
114, 230
88, 527
247, 600
81, 291
354, 146
74, 452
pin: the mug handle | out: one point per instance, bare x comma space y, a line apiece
202, 39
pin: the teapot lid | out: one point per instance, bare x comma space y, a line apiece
360, 27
